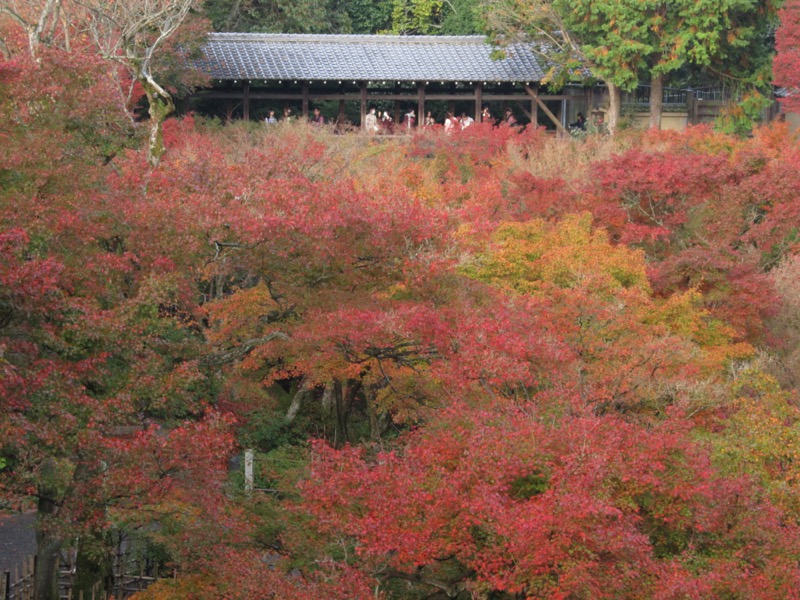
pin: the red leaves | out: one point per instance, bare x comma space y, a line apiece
29, 286
542, 400
601, 500
653, 193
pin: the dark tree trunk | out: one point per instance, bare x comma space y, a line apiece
656, 101
94, 565
344, 396
48, 543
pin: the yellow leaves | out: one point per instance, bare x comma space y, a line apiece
526, 257
762, 437
188, 586
683, 315
238, 317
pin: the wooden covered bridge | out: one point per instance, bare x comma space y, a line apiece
253, 73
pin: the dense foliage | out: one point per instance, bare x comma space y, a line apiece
626, 43
494, 364
406, 17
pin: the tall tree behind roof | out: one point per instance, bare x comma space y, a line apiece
402, 17
623, 41
434, 17
279, 16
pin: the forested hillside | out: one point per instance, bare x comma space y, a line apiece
493, 364
403, 17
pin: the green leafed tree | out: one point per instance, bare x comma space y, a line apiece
704, 34
279, 16
623, 41
417, 17
434, 17
576, 38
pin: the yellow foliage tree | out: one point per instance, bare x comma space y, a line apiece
531, 256
762, 437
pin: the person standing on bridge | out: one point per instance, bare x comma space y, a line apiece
317, 119
371, 122
409, 120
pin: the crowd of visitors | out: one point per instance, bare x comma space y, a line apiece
382, 122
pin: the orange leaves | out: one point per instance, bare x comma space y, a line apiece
240, 316
529, 256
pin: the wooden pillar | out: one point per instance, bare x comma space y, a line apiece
420, 104
363, 90
305, 99
534, 113
246, 100
478, 101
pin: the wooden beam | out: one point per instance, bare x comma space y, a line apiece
478, 101
546, 110
420, 104
212, 95
400, 97
519, 97
255, 95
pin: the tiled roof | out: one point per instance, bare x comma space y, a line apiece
363, 58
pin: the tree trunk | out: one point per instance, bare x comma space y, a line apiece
48, 545
344, 395
656, 101
161, 106
303, 390
340, 433
327, 398
614, 106
377, 420
94, 564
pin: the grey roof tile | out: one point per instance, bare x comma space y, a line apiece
363, 58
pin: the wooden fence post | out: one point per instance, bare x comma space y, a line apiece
248, 471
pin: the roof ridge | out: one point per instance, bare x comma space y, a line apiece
341, 38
